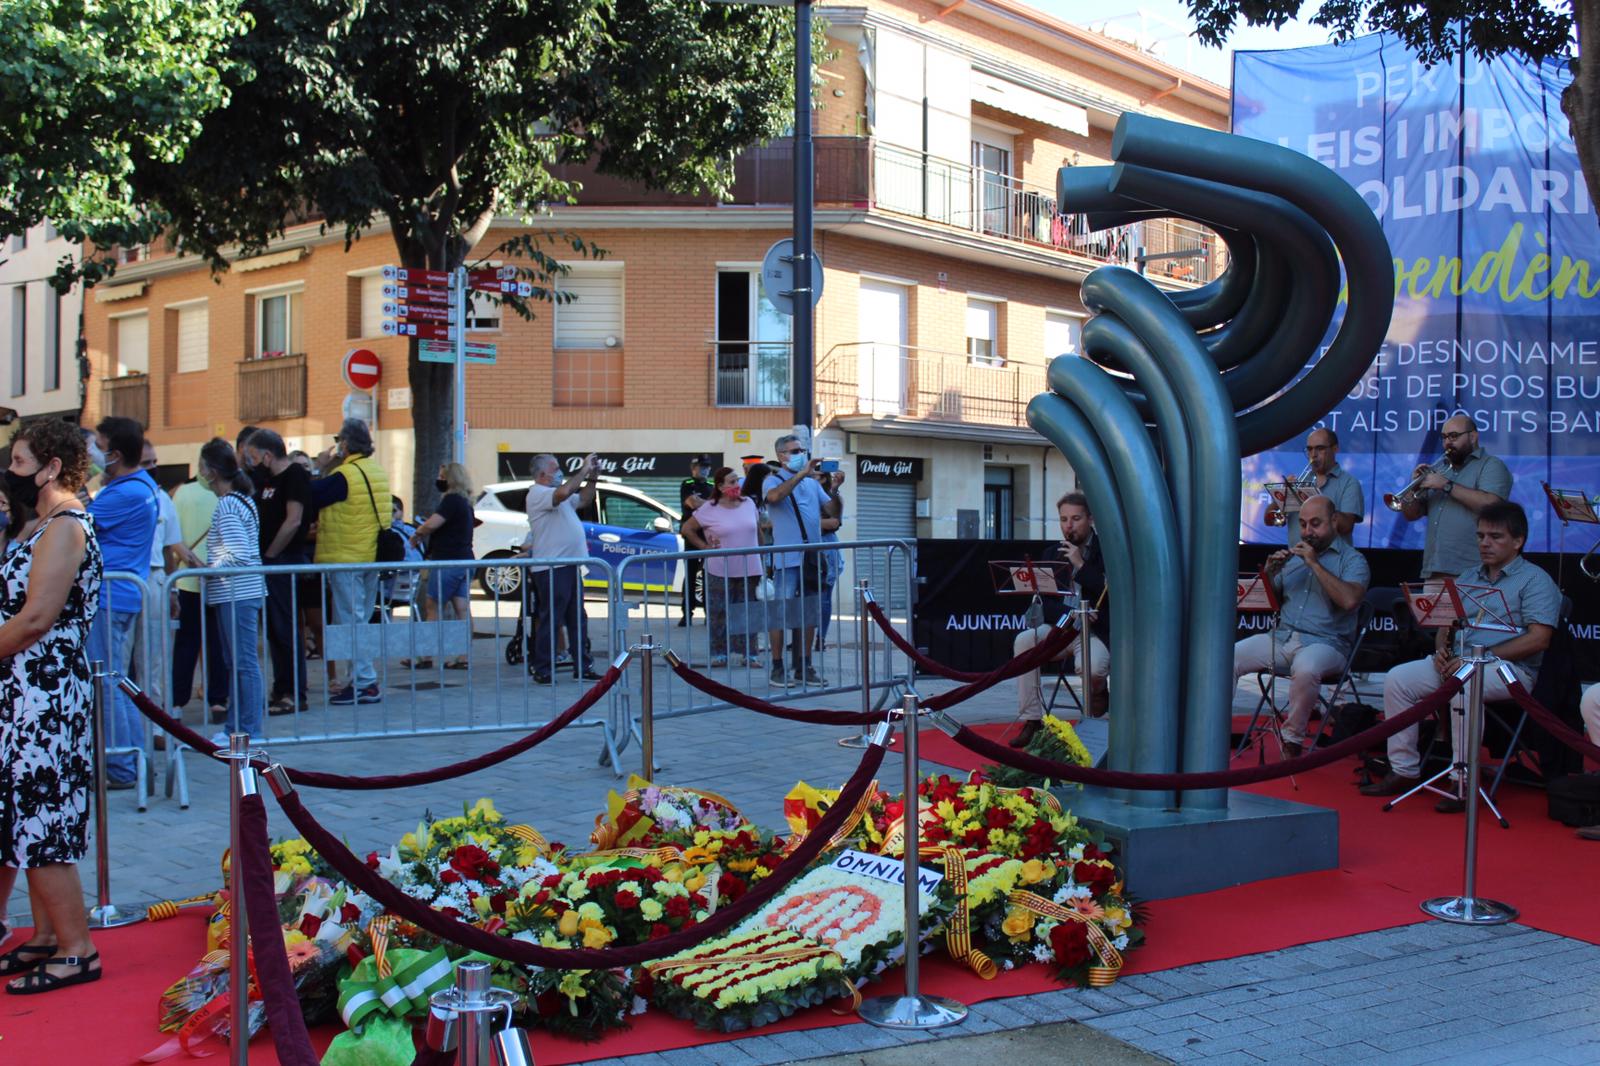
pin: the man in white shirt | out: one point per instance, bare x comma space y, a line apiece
556, 532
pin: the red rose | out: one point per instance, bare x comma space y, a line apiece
661, 929
678, 907
372, 860
770, 860
626, 901
1097, 878
449, 877
730, 887
492, 925
309, 924
643, 983
893, 810
349, 913
1070, 943
549, 1004
977, 777
1092, 852
542, 896
498, 901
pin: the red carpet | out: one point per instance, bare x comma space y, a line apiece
1389, 862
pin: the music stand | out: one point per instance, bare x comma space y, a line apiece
1029, 578
1444, 603
1570, 505
1256, 594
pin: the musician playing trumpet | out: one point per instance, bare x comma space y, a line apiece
1452, 493
1322, 455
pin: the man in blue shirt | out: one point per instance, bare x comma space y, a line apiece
1535, 605
797, 499
126, 512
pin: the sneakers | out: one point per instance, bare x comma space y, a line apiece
220, 739
1589, 832
348, 695
809, 678
779, 678
1293, 749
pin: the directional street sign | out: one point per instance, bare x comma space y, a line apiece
445, 352
416, 294
485, 281
437, 331
415, 276
419, 312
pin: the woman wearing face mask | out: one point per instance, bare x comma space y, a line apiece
14, 522
730, 522
49, 595
448, 533
234, 540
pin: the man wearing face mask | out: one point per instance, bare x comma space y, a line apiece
126, 512
255, 471
797, 500
693, 491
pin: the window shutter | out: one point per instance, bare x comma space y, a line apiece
194, 343
595, 314
133, 344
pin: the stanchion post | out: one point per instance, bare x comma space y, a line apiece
912, 1009
647, 708
104, 914
1084, 611
241, 783
1467, 908
864, 640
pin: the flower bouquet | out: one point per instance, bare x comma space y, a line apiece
1057, 741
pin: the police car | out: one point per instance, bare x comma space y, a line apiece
621, 523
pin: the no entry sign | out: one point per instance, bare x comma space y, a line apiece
362, 370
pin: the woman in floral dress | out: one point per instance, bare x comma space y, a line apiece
49, 593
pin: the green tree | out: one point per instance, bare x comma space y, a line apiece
432, 117
1438, 30
90, 87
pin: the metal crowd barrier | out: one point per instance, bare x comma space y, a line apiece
730, 638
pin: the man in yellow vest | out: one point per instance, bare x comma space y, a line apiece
352, 504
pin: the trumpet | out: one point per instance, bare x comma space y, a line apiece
1275, 515
1396, 501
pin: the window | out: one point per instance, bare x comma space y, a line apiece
133, 344
52, 339
629, 513
277, 323
194, 338
483, 313
983, 332
1063, 334
370, 323
595, 313
19, 340
997, 500
752, 343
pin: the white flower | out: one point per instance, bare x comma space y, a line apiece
650, 910
1121, 943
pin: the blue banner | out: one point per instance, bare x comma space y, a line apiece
1471, 169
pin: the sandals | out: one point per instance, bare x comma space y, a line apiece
456, 664
416, 664
24, 957
39, 980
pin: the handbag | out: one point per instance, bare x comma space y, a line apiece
391, 547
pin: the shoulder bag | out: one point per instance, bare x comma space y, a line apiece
391, 547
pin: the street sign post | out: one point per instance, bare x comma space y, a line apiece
780, 276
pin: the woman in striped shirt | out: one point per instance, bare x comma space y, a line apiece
234, 541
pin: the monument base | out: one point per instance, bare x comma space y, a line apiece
1176, 853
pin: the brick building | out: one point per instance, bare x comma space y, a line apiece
950, 278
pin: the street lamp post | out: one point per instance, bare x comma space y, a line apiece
803, 371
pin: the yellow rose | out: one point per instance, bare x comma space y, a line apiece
1018, 924
596, 937
1036, 870
568, 925
672, 874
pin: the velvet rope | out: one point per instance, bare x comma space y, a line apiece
471, 937
1047, 649
1546, 719
284, 1017
319, 779
1088, 775
718, 691
923, 663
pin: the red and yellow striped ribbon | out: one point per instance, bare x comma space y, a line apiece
1110, 958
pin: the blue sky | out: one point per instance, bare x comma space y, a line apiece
1170, 19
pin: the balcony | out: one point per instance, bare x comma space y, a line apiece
272, 387
867, 379
127, 397
750, 373
762, 175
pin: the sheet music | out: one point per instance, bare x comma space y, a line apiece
1256, 593
1571, 505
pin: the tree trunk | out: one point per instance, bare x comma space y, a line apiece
1581, 100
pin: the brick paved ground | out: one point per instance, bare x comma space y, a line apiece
1424, 993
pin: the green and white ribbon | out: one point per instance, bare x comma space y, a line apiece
416, 976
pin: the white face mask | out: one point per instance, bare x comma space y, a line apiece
797, 462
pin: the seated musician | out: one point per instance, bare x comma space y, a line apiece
1535, 605
1080, 547
1590, 710
1320, 581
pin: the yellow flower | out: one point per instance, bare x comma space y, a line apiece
672, 874
695, 883
1118, 917
484, 809
1036, 870
1018, 924
702, 837
698, 856
481, 905
596, 937
568, 925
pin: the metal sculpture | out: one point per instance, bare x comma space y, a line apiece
1217, 372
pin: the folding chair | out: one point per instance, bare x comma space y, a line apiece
1266, 681
1556, 687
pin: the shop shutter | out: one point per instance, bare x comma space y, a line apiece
885, 511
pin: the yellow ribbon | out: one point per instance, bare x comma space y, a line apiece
379, 930
958, 933
1110, 958
529, 835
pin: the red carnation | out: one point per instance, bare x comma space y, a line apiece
661, 929
975, 836
730, 887
625, 900
349, 913
1070, 943
553, 881
678, 907
998, 818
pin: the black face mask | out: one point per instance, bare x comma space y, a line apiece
23, 488
442, 485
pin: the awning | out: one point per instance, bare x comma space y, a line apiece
113, 293
1016, 99
271, 259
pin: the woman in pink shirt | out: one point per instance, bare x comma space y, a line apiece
729, 522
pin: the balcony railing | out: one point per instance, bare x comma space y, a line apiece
127, 397
892, 380
762, 175
272, 387
750, 373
